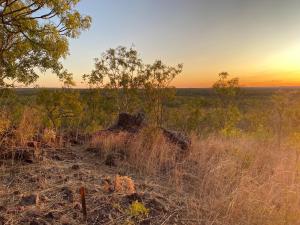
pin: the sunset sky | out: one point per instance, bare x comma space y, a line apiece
255, 40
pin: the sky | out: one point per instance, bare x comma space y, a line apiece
255, 40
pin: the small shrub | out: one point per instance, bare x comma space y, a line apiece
138, 210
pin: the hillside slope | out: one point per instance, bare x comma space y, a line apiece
47, 192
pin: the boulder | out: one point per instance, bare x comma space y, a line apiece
177, 138
67, 194
129, 122
29, 200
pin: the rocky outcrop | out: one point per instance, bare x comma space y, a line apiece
129, 122
177, 138
133, 123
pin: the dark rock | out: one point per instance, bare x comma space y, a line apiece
14, 193
129, 123
111, 160
29, 200
34, 222
75, 167
158, 205
177, 138
57, 158
67, 194
134, 197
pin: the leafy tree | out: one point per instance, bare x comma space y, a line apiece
119, 71
62, 107
227, 90
98, 110
157, 79
34, 36
122, 72
227, 113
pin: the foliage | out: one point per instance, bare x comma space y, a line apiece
226, 113
138, 210
132, 84
34, 35
157, 79
98, 109
118, 70
61, 107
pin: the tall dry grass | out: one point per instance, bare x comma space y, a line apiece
242, 181
223, 180
148, 152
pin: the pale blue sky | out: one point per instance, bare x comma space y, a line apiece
257, 40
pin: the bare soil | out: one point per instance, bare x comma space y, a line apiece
47, 192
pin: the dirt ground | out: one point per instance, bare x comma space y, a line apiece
47, 192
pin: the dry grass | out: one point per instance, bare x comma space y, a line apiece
148, 151
223, 180
241, 181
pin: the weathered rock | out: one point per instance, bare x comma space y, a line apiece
57, 158
29, 200
75, 167
134, 197
49, 216
134, 123
130, 123
178, 138
111, 160
67, 194
157, 204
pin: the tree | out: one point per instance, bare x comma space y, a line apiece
157, 79
122, 72
34, 36
119, 71
227, 91
61, 107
